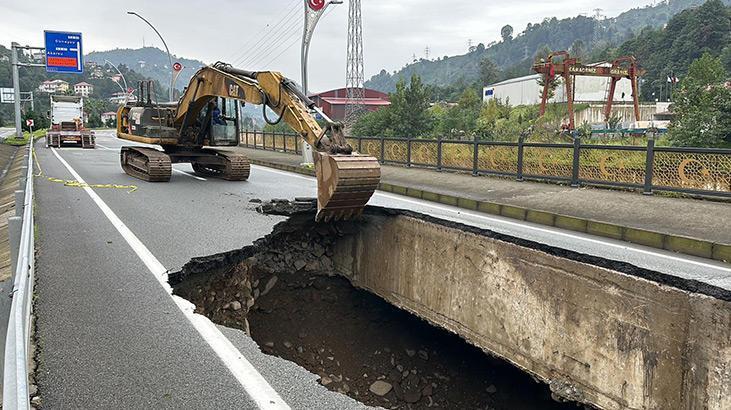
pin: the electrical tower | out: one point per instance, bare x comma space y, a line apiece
354, 76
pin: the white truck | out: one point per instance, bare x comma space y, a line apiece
67, 123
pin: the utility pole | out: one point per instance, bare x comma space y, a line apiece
354, 76
16, 89
14, 48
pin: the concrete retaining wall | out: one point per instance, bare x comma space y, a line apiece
596, 335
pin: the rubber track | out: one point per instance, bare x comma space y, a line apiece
157, 166
238, 168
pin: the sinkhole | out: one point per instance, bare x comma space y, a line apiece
293, 293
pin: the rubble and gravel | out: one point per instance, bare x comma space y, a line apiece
290, 299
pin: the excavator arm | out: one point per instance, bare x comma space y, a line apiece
345, 180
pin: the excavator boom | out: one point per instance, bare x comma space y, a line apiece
345, 179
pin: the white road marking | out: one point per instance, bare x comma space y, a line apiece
106, 148
245, 373
189, 174
179, 171
518, 224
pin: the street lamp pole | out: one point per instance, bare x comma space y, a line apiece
313, 11
172, 72
126, 89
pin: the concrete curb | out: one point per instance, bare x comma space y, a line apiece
675, 243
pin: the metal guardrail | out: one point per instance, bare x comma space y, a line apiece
17, 341
697, 171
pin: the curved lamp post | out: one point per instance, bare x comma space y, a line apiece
124, 80
313, 11
172, 72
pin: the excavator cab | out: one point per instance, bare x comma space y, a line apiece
220, 123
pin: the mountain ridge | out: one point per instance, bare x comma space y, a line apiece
513, 56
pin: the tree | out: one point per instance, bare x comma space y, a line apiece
410, 109
577, 49
489, 72
39, 121
407, 117
702, 106
461, 120
552, 85
507, 33
373, 124
726, 58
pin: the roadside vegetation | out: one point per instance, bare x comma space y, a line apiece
12, 140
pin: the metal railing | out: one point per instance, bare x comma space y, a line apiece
273, 141
697, 171
17, 341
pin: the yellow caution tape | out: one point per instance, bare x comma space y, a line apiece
76, 184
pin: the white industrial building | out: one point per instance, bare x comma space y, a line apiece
527, 91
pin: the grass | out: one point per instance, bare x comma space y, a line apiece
26, 135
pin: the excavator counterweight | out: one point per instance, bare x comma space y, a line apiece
198, 127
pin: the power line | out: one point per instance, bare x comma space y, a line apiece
290, 27
273, 45
291, 44
280, 29
260, 35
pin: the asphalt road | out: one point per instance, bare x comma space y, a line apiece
111, 336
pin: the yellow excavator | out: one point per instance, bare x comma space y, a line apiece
207, 117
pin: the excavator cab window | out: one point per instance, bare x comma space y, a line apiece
224, 123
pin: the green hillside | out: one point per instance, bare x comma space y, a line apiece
150, 62
514, 55
671, 50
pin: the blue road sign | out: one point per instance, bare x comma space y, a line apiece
63, 52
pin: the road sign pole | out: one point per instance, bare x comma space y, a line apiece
16, 90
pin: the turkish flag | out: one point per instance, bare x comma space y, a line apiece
316, 5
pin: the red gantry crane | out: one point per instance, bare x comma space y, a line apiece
569, 67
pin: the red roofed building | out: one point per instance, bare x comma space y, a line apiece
333, 102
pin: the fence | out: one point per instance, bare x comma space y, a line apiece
17, 340
698, 171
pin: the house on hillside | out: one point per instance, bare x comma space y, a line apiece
83, 89
121, 98
97, 73
53, 86
333, 102
109, 115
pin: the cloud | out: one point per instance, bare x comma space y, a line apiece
393, 30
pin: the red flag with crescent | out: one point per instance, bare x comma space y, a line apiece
316, 5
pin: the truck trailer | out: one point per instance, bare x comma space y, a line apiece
67, 123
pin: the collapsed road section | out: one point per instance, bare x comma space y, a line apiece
349, 301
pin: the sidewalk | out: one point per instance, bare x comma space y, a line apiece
690, 226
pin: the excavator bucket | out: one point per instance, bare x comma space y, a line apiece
345, 183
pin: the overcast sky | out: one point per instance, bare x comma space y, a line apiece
236, 31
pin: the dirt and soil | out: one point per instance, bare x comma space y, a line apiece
284, 292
